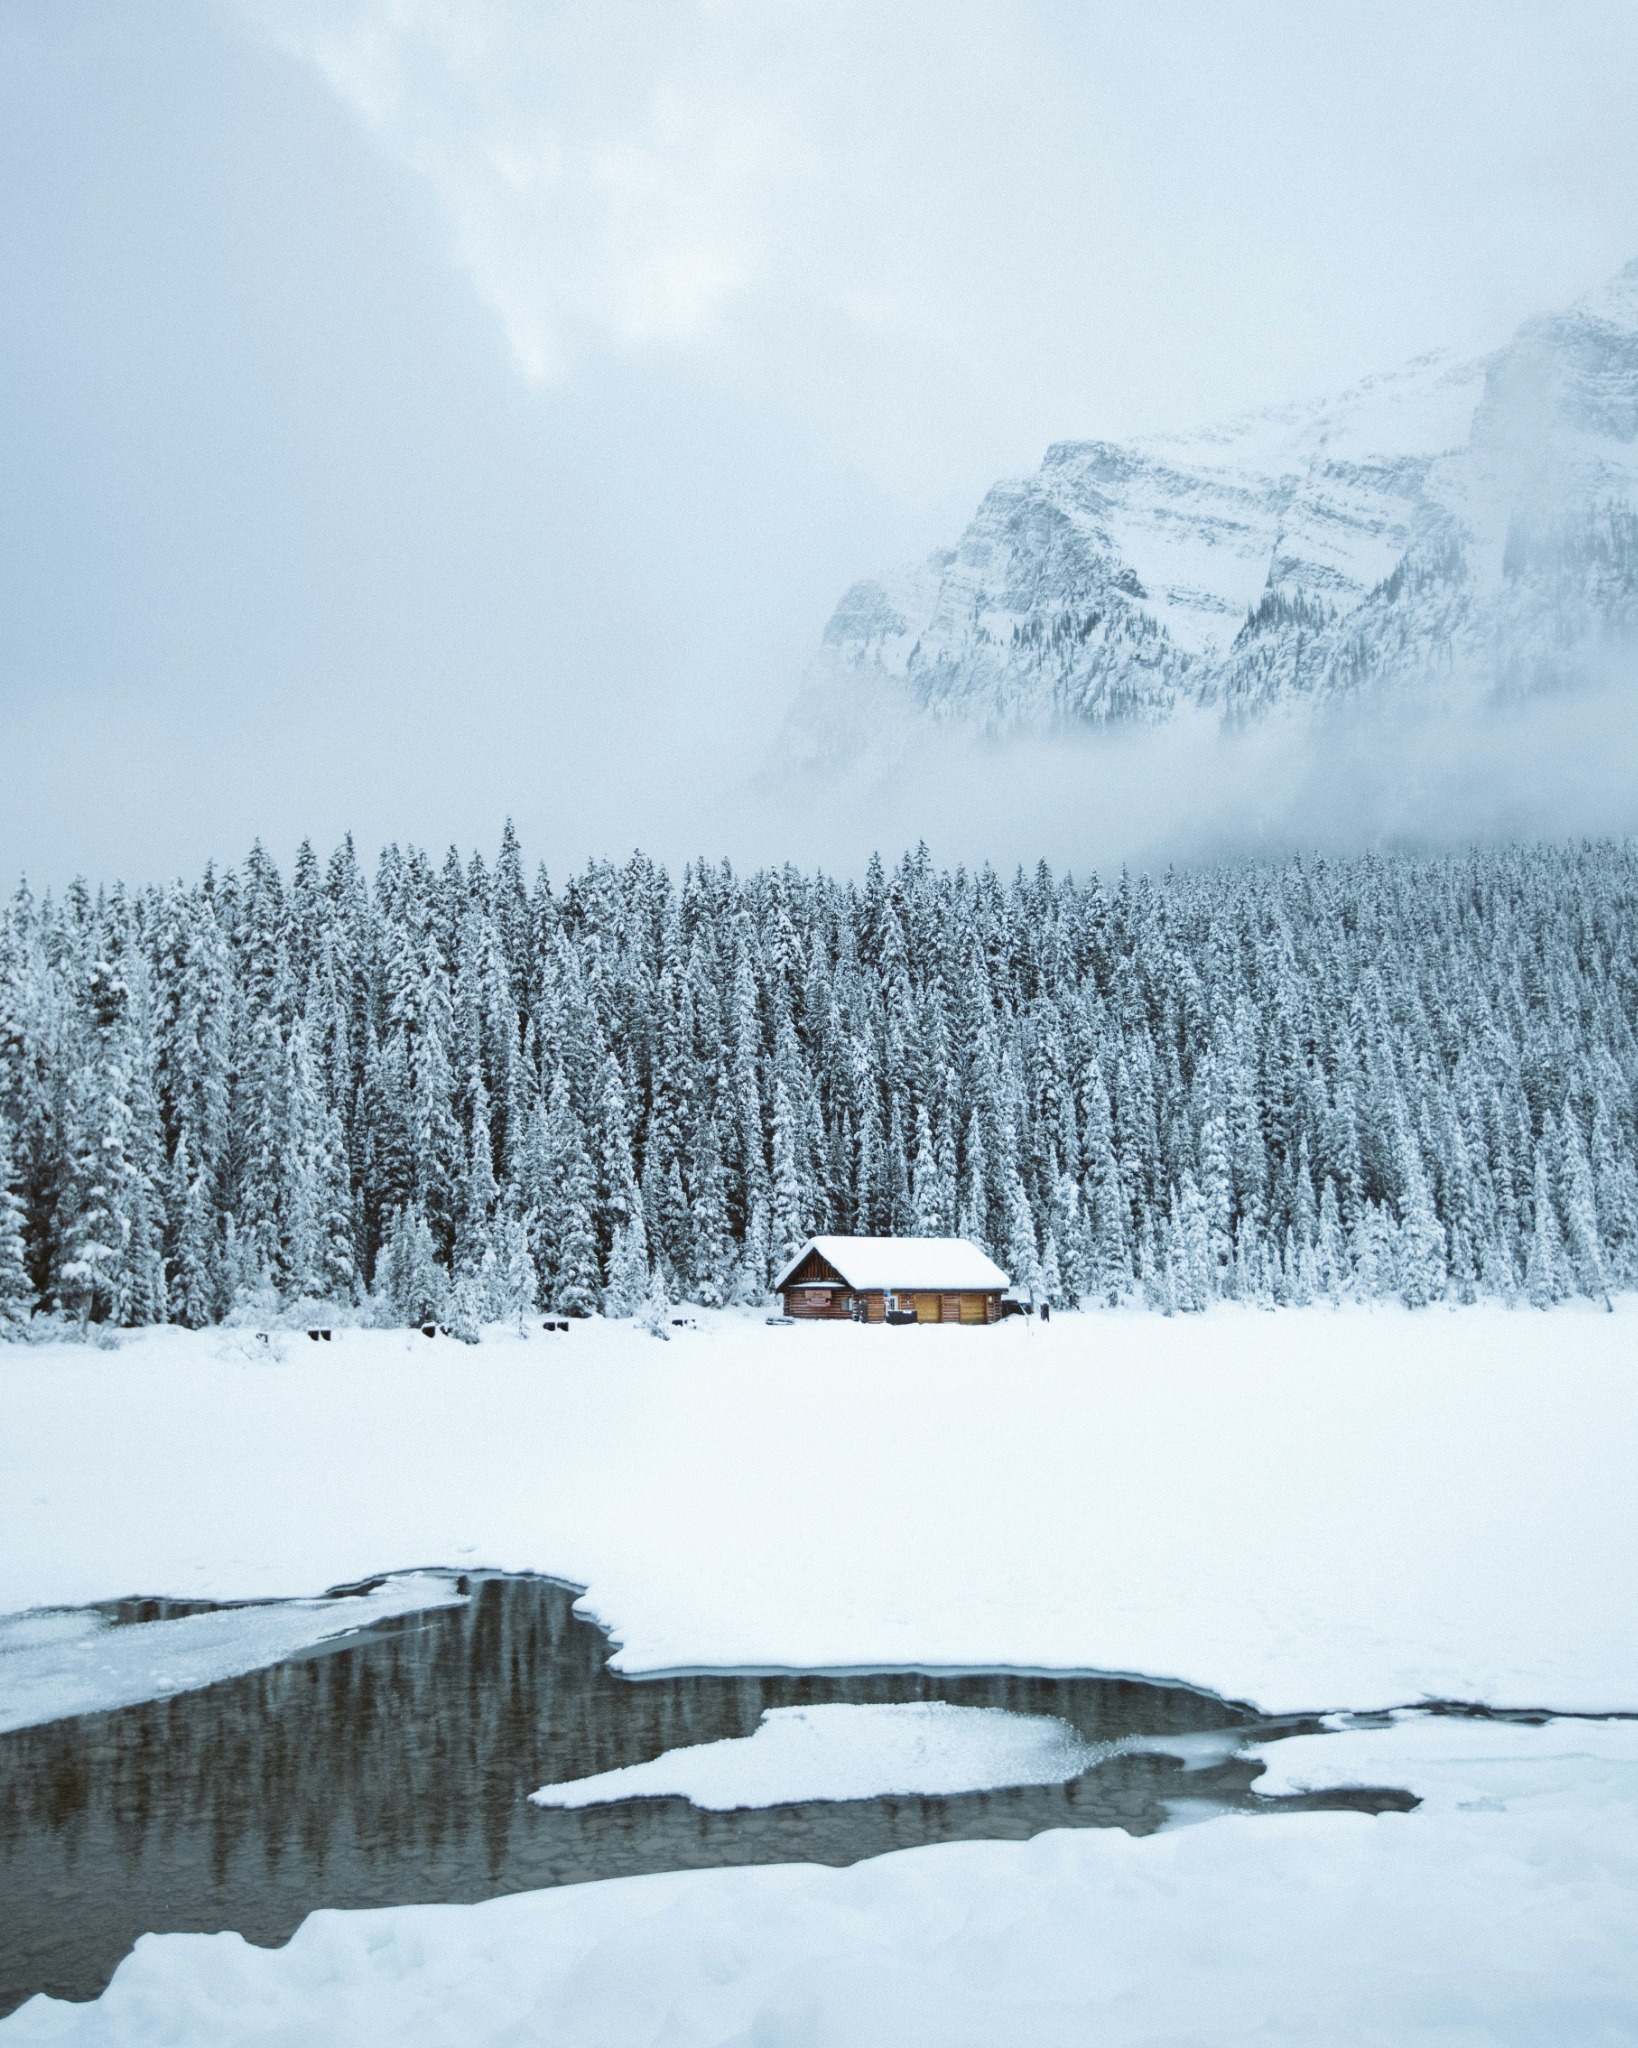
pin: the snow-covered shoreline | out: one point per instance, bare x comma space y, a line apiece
1307, 1509
1303, 1510
1499, 1912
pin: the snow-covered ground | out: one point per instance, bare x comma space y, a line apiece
1306, 1509
1500, 1912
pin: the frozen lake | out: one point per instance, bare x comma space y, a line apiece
393, 1766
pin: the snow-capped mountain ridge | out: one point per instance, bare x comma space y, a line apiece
1451, 517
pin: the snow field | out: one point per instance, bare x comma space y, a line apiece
1306, 1510
1499, 1912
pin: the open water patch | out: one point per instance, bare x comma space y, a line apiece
393, 1766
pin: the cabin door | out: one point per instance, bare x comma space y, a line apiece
926, 1308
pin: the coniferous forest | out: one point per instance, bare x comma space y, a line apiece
453, 1091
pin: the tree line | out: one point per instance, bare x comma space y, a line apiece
454, 1091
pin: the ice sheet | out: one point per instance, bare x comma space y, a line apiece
75, 1661
850, 1752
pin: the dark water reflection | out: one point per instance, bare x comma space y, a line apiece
393, 1767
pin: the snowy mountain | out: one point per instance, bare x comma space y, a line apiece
1450, 520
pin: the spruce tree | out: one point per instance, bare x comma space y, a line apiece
789, 1201
1586, 1253
197, 1290
478, 1191
16, 1289
1330, 1253
711, 1251
1421, 1261
751, 1281
576, 1282
926, 1183
1615, 1190
229, 1090
655, 1315
628, 1283
1544, 1277
411, 1286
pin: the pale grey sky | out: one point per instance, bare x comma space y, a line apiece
415, 412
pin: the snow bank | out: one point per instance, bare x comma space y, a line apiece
1499, 1911
850, 1752
1306, 1509
53, 1664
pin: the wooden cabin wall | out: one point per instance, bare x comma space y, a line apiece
968, 1306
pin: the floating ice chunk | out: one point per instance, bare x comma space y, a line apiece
54, 1663
851, 1752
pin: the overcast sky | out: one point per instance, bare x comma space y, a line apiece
414, 413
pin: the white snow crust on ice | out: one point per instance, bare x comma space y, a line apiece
1306, 1510
54, 1663
1500, 1911
841, 1751
1457, 1763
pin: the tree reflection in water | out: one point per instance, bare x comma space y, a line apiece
393, 1767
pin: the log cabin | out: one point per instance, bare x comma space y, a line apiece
867, 1279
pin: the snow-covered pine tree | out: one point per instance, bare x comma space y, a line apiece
197, 1281
790, 1202
473, 1237
568, 1185
1586, 1252
973, 1221
1615, 1190
628, 1282
711, 1249
751, 1281
1545, 1280
1330, 1253
502, 1287
1421, 1262
411, 1287
1071, 1244
16, 1288
222, 1087
1188, 1247
926, 1182
619, 1199
655, 1315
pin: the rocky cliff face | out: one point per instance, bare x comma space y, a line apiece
1451, 520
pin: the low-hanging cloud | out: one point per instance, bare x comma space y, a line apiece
422, 411
1385, 771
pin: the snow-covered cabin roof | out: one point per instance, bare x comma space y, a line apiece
937, 1264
